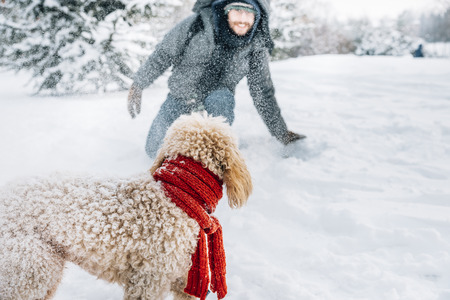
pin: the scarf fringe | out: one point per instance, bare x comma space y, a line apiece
198, 276
217, 262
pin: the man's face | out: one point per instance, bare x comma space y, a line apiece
240, 21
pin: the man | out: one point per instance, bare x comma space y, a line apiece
211, 51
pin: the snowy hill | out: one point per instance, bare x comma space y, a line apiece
359, 210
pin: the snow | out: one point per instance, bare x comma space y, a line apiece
358, 210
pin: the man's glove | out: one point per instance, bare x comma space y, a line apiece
134, 101
290, 137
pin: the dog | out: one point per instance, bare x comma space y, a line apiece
124, 231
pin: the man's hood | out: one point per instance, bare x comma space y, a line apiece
265, 12
264, 4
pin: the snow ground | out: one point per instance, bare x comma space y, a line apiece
359, 210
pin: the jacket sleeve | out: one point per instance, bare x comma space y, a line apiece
263, 93
166, 53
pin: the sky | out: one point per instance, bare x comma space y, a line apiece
376, 9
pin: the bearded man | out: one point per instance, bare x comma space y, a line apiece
211, 52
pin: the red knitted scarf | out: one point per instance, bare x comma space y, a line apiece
197, 191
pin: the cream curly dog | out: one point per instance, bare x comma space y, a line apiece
125, 231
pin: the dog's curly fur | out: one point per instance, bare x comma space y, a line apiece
122, 230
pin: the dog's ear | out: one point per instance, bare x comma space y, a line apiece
237, 179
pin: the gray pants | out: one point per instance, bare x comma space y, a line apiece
218, 103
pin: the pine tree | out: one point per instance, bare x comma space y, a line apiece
384, 39
304, 27
291, 29
75, 46
436, 27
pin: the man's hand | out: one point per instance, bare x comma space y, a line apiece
134, 101
291, 137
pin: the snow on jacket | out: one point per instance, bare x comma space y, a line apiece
191, 60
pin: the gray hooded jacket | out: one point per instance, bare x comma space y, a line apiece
190, 61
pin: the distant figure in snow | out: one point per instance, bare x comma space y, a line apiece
418, 52
211, 51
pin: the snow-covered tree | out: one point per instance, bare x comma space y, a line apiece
290, 30
305, 27
408, 23
435, 27
384, 39
81, 46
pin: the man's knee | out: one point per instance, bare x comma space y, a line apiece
170, 110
